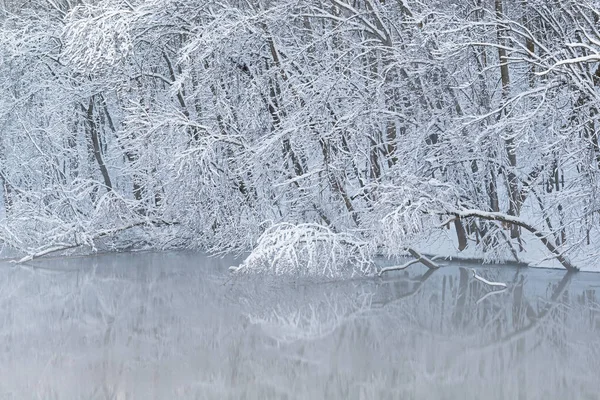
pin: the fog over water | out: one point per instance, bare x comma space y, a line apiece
178, 325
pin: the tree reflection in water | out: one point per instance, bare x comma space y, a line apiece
178, 326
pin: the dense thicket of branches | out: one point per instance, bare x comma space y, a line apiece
170, 123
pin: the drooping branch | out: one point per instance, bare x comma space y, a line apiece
509, 219
418, 258
99, 235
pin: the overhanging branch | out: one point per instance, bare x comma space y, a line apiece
509, 219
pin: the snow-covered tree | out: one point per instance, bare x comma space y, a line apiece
227, 125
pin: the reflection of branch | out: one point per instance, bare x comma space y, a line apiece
490, 283
560, 288
493, 292
418, 285
314, 320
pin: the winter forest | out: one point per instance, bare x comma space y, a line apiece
305, 134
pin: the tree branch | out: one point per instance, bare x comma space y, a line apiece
495, 216
419, 258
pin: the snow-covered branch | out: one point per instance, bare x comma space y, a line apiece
419, 258
508, 219
307, 249
358, 128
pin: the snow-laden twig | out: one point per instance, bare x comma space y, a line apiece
397, 267
590, 58
490, 283
419, 258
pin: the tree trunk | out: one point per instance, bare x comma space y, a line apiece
92, 129
509, 143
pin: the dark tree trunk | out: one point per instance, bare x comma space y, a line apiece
92, 130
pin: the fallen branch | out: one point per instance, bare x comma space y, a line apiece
68, 246
490, 283
49, 250
428, 262
397, 267
509, 219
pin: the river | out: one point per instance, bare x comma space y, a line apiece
178, 325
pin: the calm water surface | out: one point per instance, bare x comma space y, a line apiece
177, 325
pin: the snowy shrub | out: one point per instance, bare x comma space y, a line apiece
308, 249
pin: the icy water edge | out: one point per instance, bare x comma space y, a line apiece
177, 325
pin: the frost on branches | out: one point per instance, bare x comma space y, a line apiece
308, 249
353, 128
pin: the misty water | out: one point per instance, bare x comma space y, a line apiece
177, 325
